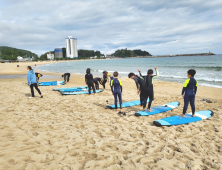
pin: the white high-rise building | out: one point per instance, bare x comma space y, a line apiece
71, 47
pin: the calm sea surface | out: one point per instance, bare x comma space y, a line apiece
172, 69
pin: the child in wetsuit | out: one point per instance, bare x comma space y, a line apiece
116, 87
89, 80
66, 77
148, 88
190, 90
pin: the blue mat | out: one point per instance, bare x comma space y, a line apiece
52, 83
178, 120
126, 104
158, 109
81, 92
70, 88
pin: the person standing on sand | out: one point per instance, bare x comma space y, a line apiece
116, 87
189, 92
89, 80
32, 82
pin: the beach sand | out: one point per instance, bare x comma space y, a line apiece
78, 132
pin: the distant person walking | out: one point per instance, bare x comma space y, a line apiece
32, 82
66, 77
89, 80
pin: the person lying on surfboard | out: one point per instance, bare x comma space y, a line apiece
189, 92
116, 87
148, 88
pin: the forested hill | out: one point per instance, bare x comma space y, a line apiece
130, 53
9, 53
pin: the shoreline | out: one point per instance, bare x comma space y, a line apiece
79, 132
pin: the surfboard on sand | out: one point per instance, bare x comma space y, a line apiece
80, 92
70, 88
178, 120
158, 109
52, 83
126, 104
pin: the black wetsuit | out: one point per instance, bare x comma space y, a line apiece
38, 75
101, 81
148, 88
66, 76
140, 84
89, 82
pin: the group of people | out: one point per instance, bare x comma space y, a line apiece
144, 84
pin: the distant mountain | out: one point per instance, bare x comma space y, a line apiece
10, 53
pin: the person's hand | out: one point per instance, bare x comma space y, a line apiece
138, 91
113, 94
155, 68
139, 70
183, 96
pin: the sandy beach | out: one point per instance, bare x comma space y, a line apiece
79, 132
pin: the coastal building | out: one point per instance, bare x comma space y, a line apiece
58, 53
50, 56
71, 47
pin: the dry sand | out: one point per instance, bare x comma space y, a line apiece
78, 132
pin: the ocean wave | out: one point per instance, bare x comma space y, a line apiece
198, 79
187, 66
210, 85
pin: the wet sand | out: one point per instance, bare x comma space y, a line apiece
78, 132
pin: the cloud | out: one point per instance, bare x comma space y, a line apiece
160, 27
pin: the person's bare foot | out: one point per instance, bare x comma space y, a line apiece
193, 115
182, 115
149, 110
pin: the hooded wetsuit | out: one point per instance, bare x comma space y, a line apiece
190, 89
66, 76
89, 82
116, 87
148, 89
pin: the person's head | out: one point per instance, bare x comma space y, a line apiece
115, 74
29, 68
150, 72
131, 75
191, 73
88, 70
105, 73
63, 75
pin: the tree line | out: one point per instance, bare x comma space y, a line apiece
9, 53
122, 53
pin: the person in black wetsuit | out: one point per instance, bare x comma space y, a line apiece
140, 84
101, 81
89, 80
190, 90
148, 88
38, 75
66, 77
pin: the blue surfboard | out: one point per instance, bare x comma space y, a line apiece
81, 92
126, 104
52, 83
159, 109
178, 120
70, 88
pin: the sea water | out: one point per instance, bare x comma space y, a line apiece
171, 69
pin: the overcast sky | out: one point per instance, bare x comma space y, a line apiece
157, 26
